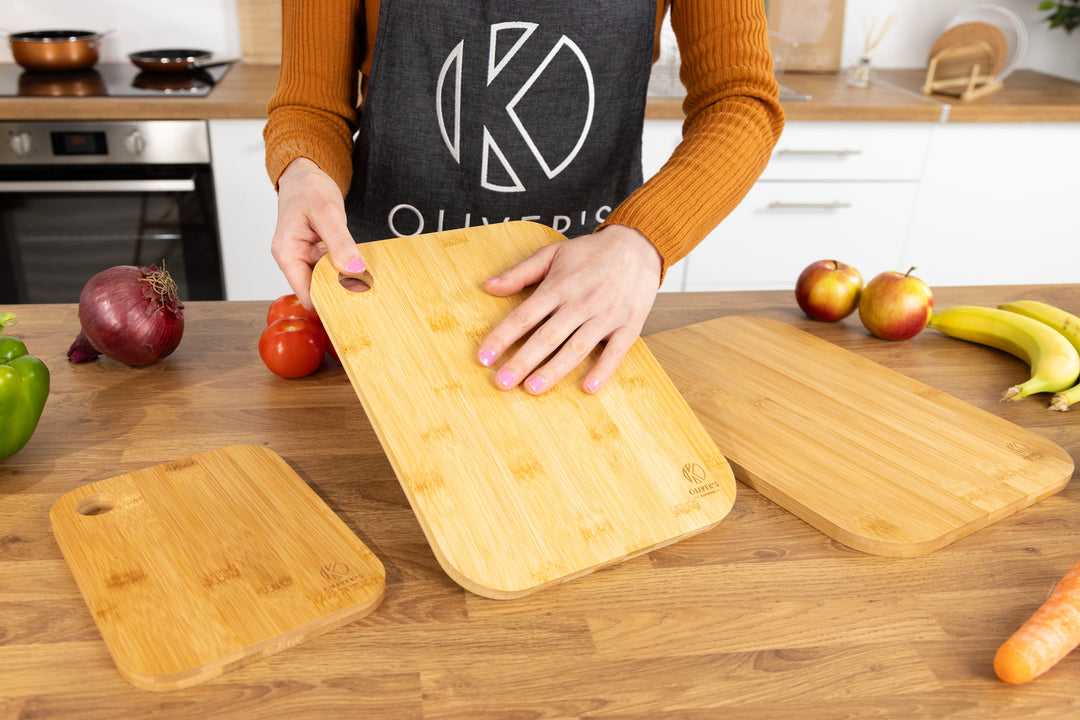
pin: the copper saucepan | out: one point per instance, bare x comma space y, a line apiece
55, 50
175, 60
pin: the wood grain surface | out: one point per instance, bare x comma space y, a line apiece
515, 492
202, 564
763, 617
883, 463
1028, 96
260, 30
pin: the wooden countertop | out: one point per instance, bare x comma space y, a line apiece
1028, 96
761, 617
241, 94
895, 96
831, 98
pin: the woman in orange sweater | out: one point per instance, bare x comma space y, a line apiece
479, 111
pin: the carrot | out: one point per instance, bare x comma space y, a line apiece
1048, 636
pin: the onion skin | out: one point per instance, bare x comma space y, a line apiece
130, 314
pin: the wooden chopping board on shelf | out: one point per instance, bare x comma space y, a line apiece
973, 42
198, 566
514, 492
870, 457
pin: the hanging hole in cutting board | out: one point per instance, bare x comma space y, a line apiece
95, 505
360, 283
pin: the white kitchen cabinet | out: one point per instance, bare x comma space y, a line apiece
843, 190
780, 228
966, 203
247, 210
842, 151
997, 205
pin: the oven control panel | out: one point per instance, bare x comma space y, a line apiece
156, 142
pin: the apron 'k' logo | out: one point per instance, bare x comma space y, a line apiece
493, 159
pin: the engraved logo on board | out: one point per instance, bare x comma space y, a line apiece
1024, 450
700, 484
341, 578
335, 571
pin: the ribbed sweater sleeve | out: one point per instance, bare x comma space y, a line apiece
313, 113
733, 121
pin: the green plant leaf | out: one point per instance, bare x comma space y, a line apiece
1063, 13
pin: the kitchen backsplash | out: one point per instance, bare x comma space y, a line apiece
132, 24
920, 22
231, 28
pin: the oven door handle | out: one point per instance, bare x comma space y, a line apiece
91, 186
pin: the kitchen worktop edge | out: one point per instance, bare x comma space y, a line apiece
1028, 96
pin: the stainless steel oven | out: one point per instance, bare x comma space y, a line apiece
79, 197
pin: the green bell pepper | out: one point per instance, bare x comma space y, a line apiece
24, 388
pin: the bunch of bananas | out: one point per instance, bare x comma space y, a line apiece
1047, 338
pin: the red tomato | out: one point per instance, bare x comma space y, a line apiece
292, 347
289, 306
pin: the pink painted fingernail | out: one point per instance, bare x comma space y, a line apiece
592, 385
505, 378
536, 383
491, 280
487, 356
356, 265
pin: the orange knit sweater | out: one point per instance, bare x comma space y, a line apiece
733, 115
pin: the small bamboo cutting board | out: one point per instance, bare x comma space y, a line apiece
872, 458
514, 492
198, 566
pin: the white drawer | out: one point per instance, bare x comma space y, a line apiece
997, 205
780, 228
849, 151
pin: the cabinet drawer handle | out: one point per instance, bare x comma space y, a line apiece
835, 205
89, 186
818, 153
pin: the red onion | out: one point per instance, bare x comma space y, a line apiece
130, 314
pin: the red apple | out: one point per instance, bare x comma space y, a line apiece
896, 306
828, 290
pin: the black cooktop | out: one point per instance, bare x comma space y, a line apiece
108, 80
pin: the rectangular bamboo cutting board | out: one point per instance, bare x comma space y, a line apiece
197, 566
872, 458
514, 492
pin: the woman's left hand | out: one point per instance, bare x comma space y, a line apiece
592, 289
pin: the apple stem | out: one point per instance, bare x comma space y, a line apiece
910, 270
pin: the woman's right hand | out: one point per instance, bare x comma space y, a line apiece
311, 223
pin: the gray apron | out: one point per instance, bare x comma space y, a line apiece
484, 111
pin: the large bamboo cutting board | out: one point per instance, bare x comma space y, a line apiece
197, 566
514, 492
870, 457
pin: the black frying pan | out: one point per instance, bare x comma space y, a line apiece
175, 60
